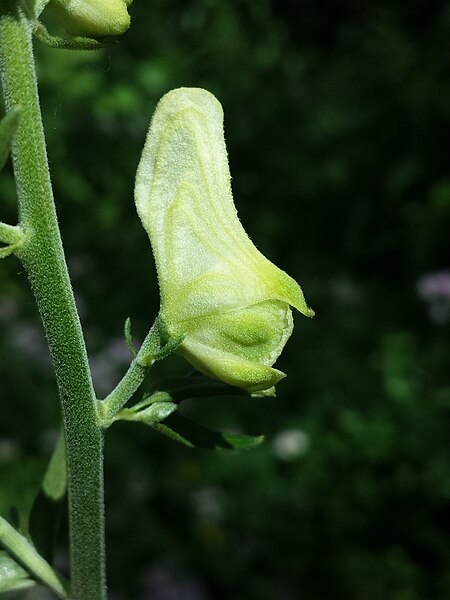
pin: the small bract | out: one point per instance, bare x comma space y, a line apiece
217, 289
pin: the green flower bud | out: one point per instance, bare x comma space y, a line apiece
93, 18
231, 303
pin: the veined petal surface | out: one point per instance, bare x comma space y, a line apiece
231, 301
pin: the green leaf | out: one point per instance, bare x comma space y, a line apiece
187, 432
20, 546
48, 506
156, 412
12, 576
8, 127
70, 43
152, 413
195, 386
128, 336
55, 479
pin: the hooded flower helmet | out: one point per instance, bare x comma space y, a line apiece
231, 303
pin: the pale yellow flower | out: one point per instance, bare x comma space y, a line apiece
93, 18
217, 289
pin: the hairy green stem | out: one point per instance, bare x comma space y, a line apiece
21, 548
42, 255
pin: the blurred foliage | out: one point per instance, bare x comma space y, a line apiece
337, 120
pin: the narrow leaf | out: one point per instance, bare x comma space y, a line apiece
48, 506
8, 127
148, 399
151, 414
20, 547
128, 336
187, 432
12, 576
55, 478
72, 43
197, 386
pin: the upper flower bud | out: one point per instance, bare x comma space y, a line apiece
93, 18
217, 289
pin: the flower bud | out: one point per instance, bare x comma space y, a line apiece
217, 289
93, 18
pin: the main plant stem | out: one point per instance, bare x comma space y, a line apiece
43, 257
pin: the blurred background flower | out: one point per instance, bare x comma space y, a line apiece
434, 289
290, 444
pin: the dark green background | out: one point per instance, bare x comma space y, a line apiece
337, 120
